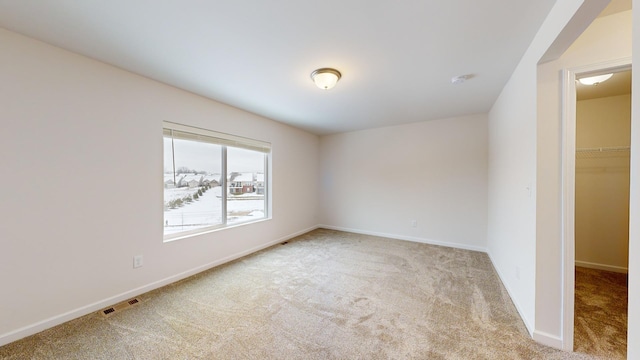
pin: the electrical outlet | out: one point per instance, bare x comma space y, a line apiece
414, 223
137, 261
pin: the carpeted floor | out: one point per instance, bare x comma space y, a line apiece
323, 295
600, 324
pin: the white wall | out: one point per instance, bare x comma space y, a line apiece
511, 191
602, 183
514, 205
376, 181
606, 39
81, 159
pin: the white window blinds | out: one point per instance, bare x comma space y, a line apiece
178, 131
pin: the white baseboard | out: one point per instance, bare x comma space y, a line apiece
406, 238
515, 303
538, 336
548, 339
84, 310
597, 266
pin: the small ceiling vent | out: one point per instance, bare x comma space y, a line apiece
457, 80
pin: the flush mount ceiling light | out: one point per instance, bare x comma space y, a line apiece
595, 80
325, 78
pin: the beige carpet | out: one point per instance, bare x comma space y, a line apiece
601, 313
323, 295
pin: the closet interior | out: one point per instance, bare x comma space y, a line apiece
603, 143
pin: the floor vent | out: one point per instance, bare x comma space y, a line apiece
108, 311
119, 307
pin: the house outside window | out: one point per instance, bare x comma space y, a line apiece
211, 180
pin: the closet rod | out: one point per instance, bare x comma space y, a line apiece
604, 149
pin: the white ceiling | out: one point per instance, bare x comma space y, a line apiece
397, 58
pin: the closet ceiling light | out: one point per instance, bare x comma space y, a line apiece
595, 80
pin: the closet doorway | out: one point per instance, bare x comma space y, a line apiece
602, 155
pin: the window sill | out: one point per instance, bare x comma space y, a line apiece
213, 229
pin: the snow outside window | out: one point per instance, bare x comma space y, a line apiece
211, 180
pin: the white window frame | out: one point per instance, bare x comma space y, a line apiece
199, 134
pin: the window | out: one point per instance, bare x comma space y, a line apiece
211, 180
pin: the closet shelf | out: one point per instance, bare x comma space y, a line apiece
596, 152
